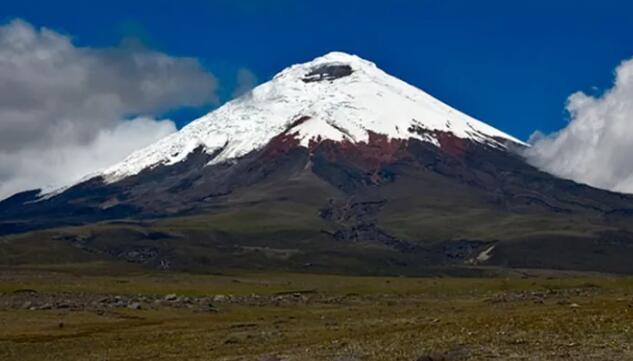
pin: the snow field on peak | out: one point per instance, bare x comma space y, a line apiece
346, 108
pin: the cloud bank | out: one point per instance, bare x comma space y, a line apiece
596, 147
67, 111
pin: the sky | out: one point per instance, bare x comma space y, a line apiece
513, 64
489, 58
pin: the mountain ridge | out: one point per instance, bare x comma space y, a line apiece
327, 185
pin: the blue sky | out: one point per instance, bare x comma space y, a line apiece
510, 63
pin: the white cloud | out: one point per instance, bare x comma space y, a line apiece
246, 80
58, 165
596, 147
64, 110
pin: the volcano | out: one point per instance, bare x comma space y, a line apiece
332, 166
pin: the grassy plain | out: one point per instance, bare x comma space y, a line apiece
264, 316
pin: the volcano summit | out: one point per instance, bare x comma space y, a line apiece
337, 97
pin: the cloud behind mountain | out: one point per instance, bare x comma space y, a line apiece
596, 147
67, 111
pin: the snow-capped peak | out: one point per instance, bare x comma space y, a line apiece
338, 96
